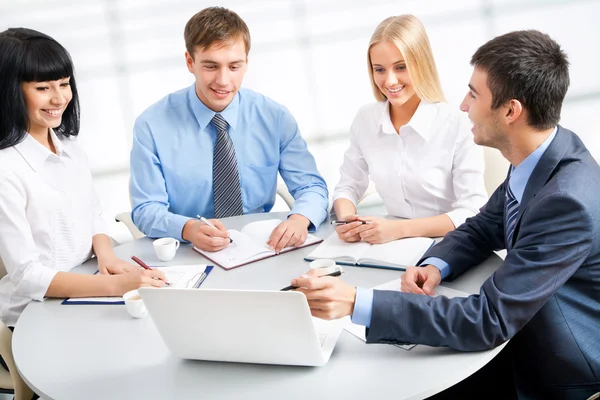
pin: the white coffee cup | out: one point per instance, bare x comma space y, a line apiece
326, 266
165, 248
134, 304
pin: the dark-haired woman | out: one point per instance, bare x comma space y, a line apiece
50, 218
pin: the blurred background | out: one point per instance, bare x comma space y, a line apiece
309, 55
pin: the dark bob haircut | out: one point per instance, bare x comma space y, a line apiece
30, 56
530, 67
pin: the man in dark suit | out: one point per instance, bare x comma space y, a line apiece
546, 295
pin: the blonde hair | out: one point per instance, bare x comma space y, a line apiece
407, 33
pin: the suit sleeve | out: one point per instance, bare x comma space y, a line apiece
555, 239
475, 240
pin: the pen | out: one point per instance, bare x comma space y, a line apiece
348, 222
143, 265
207, 222
336, 273
203, 276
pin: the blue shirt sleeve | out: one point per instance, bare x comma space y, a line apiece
149, 196
363, 307
440, 264
300, 174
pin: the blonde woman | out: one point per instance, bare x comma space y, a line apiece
417, 149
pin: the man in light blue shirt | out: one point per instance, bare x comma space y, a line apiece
177, 163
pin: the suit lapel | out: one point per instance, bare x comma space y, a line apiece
542, 172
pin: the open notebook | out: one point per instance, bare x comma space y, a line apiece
360, 332
250, 244
392, 255
178, 276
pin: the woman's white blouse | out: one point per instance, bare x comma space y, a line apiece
432, 167
48, 216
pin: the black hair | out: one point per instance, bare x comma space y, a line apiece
530, 67
31, 56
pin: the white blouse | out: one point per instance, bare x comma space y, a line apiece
48, 216
432, 167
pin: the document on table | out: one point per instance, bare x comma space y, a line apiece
359, 330
179, 276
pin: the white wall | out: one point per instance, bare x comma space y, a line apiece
309, 55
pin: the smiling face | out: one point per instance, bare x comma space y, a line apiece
390, 73
46, 103
478, 104
219, 72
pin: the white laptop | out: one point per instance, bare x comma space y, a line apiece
263, 327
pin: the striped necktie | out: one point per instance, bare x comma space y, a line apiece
511, 212
227, 192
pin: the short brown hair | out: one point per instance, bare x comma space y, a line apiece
212, 25
530, 67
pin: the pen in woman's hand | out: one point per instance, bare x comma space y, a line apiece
143, 265
349, 222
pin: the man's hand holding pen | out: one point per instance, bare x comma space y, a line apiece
328, 297
213, 237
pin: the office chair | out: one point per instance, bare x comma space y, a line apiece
10, 381
496, 169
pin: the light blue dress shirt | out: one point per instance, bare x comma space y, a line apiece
172, 161
363, 305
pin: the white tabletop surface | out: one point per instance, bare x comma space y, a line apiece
100, 352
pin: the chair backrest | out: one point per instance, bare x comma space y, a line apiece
2, 269
496, 169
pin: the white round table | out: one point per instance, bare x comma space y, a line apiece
99, 352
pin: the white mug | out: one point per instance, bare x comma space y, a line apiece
165, 248
326, 266
134, 304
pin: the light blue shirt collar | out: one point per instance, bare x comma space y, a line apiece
520, 175
204, 114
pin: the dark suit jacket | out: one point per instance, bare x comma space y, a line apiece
545, 296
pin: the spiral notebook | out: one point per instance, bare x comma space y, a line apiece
250, 245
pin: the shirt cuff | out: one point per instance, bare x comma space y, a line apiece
175, 226
36, 282
99, 227
314, 216
344, 195
363, 307
440, 264
460, 215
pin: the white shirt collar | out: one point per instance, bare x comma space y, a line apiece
420, 121
35, 154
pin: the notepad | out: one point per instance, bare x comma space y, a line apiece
360, 332
250, 245
392, 255
179, 276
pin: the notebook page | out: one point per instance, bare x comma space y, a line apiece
335, 248
183, 276
395, 285
260, 232
243, 249
403, 252
178, 276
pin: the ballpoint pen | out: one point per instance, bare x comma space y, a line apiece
348, 222
207, 222
203, 276
335, 273
143, 265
